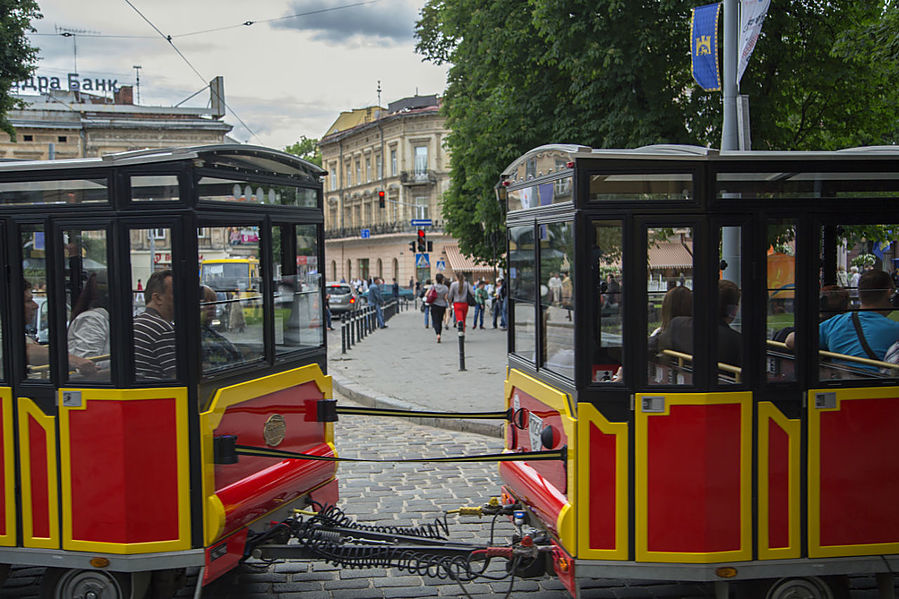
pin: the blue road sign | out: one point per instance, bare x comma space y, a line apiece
365, 233
441, 265
421, 222
422, 261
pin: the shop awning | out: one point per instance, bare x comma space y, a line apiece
670, 254
460, 263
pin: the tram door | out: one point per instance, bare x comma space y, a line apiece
693, 422
79, 440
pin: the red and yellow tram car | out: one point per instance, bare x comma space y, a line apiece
721, 421
112, 405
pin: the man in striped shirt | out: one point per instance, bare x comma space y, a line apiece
154, 334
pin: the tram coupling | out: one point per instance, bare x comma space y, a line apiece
330, 535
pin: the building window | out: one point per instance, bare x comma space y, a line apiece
62, 139
421, 161
349, 174
202, 233
27, 138
379, 166
393, 162
421, 207
358, 171
156, 233
333, 176
367, 169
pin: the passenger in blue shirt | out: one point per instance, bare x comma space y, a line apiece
838, 334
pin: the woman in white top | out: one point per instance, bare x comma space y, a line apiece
88, 334
458, 296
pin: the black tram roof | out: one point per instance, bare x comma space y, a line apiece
245, 158
554, 158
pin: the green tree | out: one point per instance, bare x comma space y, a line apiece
615, 73
307, 149
17, 55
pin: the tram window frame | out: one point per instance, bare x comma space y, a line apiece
546, 310
528, 302
834, 184
50, 180
746, 308
553, 181
608, 377
236, 178
586, 177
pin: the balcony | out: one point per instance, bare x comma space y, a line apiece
380, 229
413, 178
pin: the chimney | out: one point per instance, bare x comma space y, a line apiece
124, 95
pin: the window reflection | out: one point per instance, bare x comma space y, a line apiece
556, 289
607, 266
87, 290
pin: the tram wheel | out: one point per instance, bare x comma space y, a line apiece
808, 587
61, 583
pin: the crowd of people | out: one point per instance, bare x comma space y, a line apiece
444, 304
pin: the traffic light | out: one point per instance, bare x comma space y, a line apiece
412, 246
422, 242
381, 199
430, 246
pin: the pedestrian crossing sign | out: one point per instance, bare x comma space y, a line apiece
422, 261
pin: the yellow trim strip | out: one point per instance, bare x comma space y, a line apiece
179, 394
815, 549
224, 398
9, 469
561, 403
29, 409
589, 415
744, 400
767, 411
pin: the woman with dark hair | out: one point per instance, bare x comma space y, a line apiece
88, 333
438, 306
677, 302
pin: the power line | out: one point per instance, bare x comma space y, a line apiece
168, 38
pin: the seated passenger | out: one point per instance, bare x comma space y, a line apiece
217, 350
677, 302
154, 333
867, 333
88, 334
39, 355
679, 335
834, 300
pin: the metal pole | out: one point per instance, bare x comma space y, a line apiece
343, 337
459, 325
729, 132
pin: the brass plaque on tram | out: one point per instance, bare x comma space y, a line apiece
274, 430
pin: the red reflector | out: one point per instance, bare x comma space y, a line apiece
352, 300
569, 164
506, 183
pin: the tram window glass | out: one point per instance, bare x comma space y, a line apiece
728, 342
155, 188
643, 186
38, 342
233, 190
297, 289
70, 191
543, 194
781, 294
556, 308
87, 299
231, 329
669, 309
607, 265
522, 290
773, 185
867, 254
153, 332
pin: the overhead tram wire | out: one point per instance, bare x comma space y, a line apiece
168, 38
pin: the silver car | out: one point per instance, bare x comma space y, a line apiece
343, 298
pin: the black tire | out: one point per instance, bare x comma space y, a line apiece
64, 583
797, 587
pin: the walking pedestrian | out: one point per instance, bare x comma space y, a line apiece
425, 306
458, 296
438, 304
480, 306
499, 301
376, 300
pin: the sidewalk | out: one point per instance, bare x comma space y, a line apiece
403, 367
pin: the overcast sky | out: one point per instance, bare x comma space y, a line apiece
284, 77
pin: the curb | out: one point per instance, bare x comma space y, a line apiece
369, 398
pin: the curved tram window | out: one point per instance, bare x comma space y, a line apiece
522, 283
556, 287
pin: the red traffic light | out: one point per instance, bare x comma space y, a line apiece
421, 233
422, 243
381, 198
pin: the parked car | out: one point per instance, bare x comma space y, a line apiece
344, 299
387, 293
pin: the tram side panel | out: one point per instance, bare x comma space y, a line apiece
281, 411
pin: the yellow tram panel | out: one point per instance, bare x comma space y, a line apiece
8, 507
40, 492
779, 509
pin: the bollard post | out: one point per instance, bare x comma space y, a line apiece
343, 337
350, 333
460, 326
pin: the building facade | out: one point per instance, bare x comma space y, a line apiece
398, 151
75, 124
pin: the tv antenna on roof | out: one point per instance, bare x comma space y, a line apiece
137, 69
73, 33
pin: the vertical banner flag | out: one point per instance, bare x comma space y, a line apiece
752, 15
704, 45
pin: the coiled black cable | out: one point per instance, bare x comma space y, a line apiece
333, 516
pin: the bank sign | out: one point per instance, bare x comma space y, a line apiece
73, 82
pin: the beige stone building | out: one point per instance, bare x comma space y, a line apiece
77, 124
399, 151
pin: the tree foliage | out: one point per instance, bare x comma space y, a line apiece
17, 55
307, 149
616, 73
